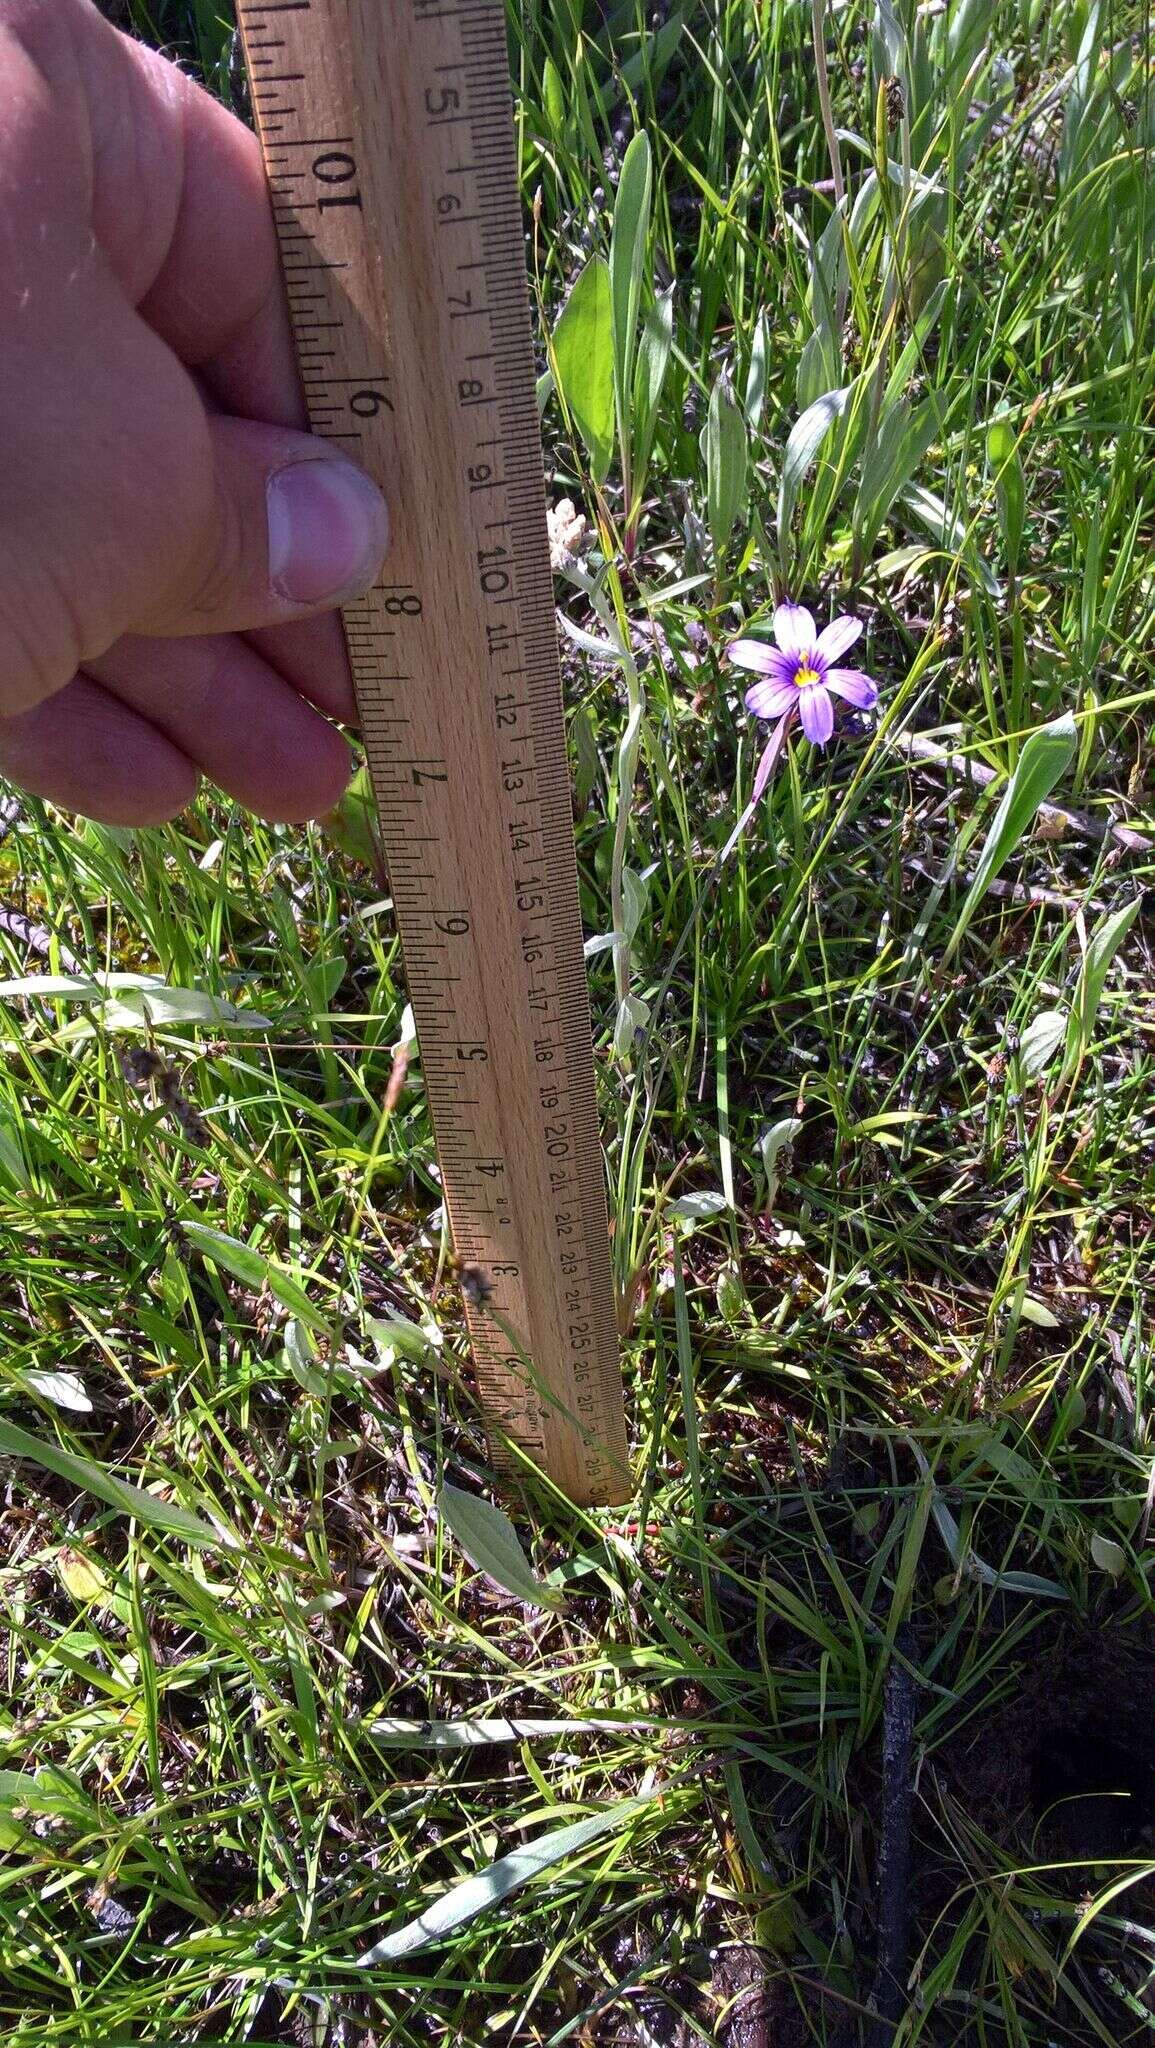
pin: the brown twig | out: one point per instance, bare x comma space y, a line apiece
900, 1697
36, 937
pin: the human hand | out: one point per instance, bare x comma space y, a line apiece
168, 535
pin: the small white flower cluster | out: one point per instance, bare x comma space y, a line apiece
569, 534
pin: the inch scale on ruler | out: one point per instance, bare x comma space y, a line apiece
388, 142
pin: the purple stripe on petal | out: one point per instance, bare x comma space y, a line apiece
755, 654
816, 712
794, 629
764, 659
770, 699
838, 637
853, 684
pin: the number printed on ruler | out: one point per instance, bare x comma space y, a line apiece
387, 136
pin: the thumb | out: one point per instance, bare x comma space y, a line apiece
285, 527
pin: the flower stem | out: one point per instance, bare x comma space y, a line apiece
822, 78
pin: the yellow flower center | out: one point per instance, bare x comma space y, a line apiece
803, 677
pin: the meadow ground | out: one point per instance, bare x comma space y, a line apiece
879, 1145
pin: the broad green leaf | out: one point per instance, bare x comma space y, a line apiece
75, 988
1041, 1040
627, 268
490, 1542
818, 364
553, 98
1108, 1555
82, 1575
805, 439
966, 1563
633, 1016
352, 827
1044, 758
1102, 947
117, 1493
302, 1361
727, 456
1010, 488
700, 1207
396, 1333
634, 897
63, 1389
730, 1294
463, 1902
587, 760
583, 362
50, 1791
142, 1009
253, 1270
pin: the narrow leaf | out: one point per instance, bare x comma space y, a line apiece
395, 1733
727, 456
1102, 947
12, 1165
254, 1271
654, 353
476, 1894
118, 1493
490, 1542
1010, 489
805, 439
627, 264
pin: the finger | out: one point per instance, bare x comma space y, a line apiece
87, 752
311, 655
287, 527
235, 718
181, 211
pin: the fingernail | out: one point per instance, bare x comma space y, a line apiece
328, 530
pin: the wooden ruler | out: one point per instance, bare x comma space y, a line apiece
388, 140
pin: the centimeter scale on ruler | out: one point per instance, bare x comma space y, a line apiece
387, 135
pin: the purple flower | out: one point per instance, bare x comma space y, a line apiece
799, 674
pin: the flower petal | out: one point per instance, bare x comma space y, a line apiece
855, 685
794, 629
770, 757
838, 637
763, 658
816, 712
771, 698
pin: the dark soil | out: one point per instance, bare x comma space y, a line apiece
1066, 1769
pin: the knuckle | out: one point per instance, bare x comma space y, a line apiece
220, 572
